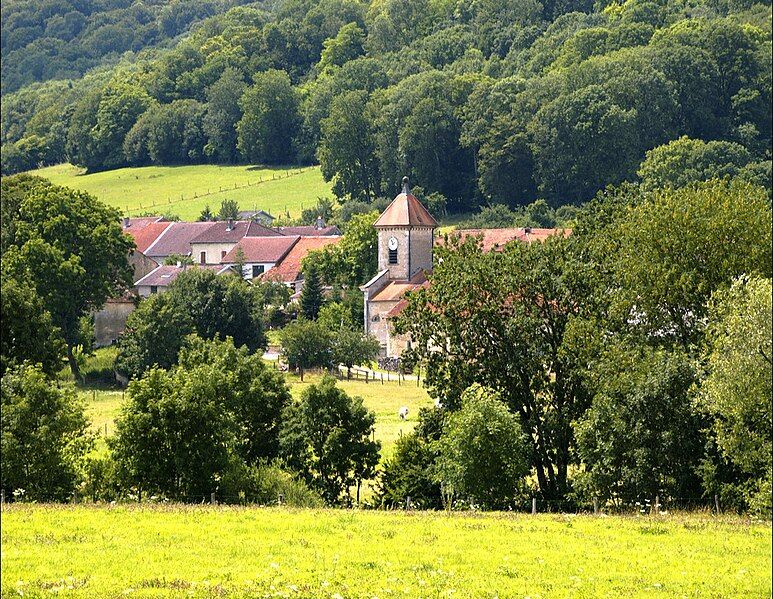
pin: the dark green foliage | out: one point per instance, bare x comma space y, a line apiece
483, 454
44, 436
229, 209
640, 437
326, 437
311, 294
70, 247
215, 413
27, 332
198, 301
306, 344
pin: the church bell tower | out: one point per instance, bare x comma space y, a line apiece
405, 237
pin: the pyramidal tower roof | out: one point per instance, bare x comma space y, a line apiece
406, 211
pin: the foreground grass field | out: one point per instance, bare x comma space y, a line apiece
186, 190
214, 551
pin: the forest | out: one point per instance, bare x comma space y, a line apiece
480, 103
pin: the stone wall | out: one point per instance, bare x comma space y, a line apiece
110, 321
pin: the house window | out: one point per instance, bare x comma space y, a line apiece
257, 270
203, 258
393, 256
222, 254
153, 289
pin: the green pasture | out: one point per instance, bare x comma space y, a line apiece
186, 190
220, 551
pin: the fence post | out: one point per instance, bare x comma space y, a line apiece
533, 506
382, 378
2, 496
657, 504
280, 499
595, 505
212, 498
408, 502
716, 502
139, 495
366, 377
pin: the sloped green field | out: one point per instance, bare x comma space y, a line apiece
186, 190
219, 551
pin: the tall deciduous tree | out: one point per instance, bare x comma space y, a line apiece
346, 150
306, 344
271, 119
738, 388
44, 436
510, 321
72, 248
223, 112
678, 246
326, 436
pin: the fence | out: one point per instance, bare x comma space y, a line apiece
221, 189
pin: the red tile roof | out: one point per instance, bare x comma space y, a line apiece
145, 235
495, 239
289, 269
165, 274
176, 239
394, 290
261, 249
406, 210
219, 232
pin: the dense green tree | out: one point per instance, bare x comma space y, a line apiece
486, 302
44, 436
182, 430
223, 113
306, 344
27, 332
346, 150
640, 438
312, 299
678, 246
197, 301
229, 209
326, 437
483, 455
685, 160
352, 261
351, 347
71, 248
738, 387
345, 46
271, 119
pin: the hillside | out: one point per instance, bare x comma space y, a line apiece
44, 40
184, 191
479, 103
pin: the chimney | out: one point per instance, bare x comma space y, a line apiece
320, 223
230, 226
406, 187
125, 222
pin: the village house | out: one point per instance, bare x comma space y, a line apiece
406, 239
258, 255
213, 243
159, 279
290, 269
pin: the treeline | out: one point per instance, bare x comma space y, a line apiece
62, 39
492, 102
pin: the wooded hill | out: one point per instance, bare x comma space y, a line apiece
479, 102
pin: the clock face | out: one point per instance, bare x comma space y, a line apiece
392, 244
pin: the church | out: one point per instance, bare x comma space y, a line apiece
406, 238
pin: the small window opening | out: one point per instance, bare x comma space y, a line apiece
393, 256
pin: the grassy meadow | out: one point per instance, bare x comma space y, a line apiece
220, 551
186, 190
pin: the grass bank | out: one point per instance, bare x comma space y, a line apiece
186, 190
215, 551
